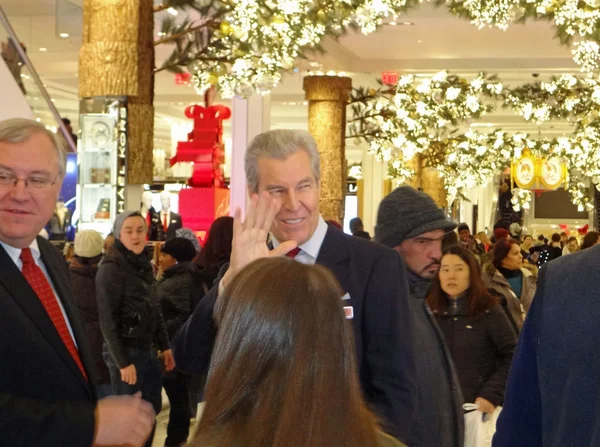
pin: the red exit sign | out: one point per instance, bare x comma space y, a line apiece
389, 77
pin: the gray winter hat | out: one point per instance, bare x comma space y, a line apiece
121, 218
406, 213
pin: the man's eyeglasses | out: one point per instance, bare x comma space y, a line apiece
38, 181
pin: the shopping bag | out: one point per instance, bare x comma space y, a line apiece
479, 430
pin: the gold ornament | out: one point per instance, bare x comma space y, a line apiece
225, 28
278, 19
212, 79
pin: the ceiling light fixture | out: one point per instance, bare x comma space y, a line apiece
407, 23
64, 35
43, 49
172, 11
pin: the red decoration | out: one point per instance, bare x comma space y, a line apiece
564, 227
583, 230
182, 78
389, 77
205, 145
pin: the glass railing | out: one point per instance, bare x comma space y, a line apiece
15, 57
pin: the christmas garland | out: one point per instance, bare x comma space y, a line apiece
425, 117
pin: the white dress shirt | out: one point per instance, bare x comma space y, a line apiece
309, 251
15, 255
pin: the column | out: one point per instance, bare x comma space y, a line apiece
327, 99
374, 174
117, 59
249, 118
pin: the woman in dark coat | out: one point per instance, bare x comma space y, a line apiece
477, 330
82, 272
173, 293
130, 315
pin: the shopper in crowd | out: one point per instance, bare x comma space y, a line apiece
571, 247
410, 222
552, 394
190, 235
590, 239
283, 173
564, 239
357, 228
501, 233
484, 240
207, 265
555, 249
467, 240
283, 371
506, 276
46, 381
82, 271
108, 242
450, 239
526, 246
173, 293
130, 315
477, 330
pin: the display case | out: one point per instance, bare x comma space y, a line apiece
102, 165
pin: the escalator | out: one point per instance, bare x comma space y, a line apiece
22, 92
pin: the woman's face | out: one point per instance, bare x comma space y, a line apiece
514, 259
528, 241
133, 234
166, 261
455, 277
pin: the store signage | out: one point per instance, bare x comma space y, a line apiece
389, 77
122, 157
351, 187
531, 172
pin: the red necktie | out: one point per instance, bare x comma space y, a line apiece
293, 253
40, 285
165, 222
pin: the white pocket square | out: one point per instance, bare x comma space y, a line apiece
346, 297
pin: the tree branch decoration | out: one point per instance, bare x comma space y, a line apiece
427, 117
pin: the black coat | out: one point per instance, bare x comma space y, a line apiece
173, 293
130, 315
374, 279
482, 349
45, 400
82, 273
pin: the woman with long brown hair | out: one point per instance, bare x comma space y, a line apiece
283, 370
477, 330
506, 277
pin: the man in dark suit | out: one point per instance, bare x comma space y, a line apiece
551, 397
283, 173
46, 397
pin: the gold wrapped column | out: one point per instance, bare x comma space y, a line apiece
327, 99
117, 59
428, 180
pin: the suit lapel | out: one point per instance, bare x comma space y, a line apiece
20, 290
334, 255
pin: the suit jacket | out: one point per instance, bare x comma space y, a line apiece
374, 278
44, 399
551, 397
175, 224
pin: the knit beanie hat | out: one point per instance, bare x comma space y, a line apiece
180, 248
406, 213
121, 219
188, 234
88, 244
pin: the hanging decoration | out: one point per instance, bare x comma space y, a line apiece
427, 116
521, 199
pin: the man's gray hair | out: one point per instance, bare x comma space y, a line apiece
280, 144
18, 130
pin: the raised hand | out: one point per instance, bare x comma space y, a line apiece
250, 237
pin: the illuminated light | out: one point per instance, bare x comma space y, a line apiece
64, 35
42, 49
71, 167
172, 11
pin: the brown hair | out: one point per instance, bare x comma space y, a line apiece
283, 368
501, 250
590, 239
479, 299
217, 248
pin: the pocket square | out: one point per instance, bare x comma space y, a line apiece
346, 297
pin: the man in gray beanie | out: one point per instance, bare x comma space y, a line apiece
410, 222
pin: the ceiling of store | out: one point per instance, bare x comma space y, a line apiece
436, 41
